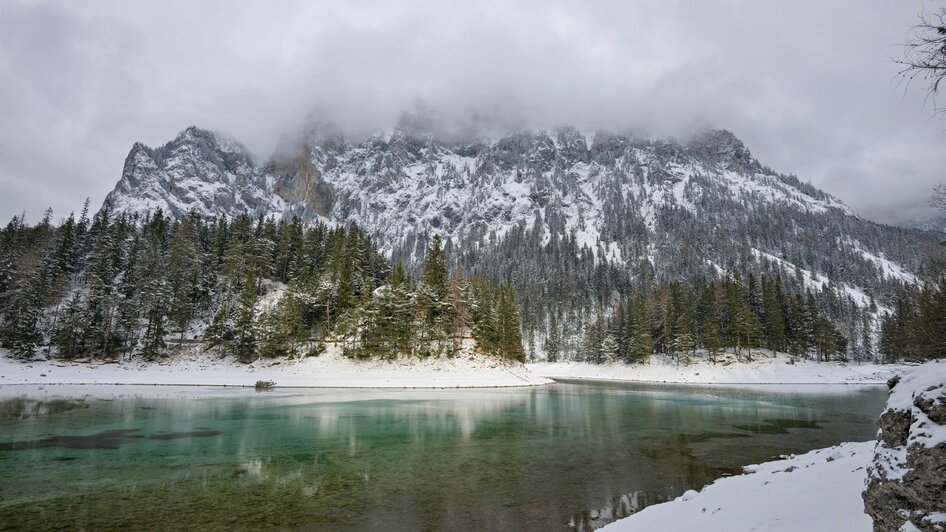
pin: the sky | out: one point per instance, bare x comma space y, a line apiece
809, 86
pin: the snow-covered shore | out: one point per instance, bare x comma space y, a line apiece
819, 490
825, 488
330, 370
766, 368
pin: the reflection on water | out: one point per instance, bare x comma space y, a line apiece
550, 458
107, 439
778, 426
617, 508
23, 407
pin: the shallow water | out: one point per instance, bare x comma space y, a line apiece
546, 458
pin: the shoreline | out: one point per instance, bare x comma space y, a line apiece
332, 370
328, 371
278, 387
766, 368
578, 380
826, 482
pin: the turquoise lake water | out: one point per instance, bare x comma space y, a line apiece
559, 457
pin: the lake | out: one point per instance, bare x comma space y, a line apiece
558, 457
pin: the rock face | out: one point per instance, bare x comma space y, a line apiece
906, 488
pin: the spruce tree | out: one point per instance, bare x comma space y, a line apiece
245, 325
508, 324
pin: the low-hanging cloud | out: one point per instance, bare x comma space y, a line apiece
809, 87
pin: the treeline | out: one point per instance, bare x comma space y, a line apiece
133, 285
731, 313
916, 329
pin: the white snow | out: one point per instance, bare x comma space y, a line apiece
329, 370
820, 490
765, 368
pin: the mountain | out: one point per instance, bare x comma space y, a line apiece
199, 170
933, 223
571, 218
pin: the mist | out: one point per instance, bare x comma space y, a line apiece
810, 88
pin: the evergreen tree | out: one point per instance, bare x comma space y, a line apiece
245, 325
508, 325
553, 342
183, 271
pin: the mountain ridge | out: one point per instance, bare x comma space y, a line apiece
590, 214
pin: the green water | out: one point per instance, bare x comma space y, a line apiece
546, 458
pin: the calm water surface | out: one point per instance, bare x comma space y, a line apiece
549, 458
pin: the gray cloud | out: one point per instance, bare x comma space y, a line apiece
808, 86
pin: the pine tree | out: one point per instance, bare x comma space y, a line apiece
683, 343
460, 302
642, 345
183, 270
774, 320
222, 329
712, 338
433, 289
70, 332
609, 347
484, 318
245, 325
553, 342
508, 324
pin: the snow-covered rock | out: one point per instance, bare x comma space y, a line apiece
907, 483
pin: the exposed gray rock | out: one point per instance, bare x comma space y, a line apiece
894, 427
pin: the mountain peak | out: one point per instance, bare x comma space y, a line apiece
722, 146
194, 132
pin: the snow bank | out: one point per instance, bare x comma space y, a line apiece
766, 368
330, 370
820, 490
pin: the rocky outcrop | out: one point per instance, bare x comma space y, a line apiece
299, 182
906, 486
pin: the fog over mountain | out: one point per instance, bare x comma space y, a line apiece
810, 87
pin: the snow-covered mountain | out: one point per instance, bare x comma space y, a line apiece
199, 170
560, 212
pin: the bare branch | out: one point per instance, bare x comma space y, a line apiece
924, 55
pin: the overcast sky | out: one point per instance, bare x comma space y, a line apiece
808, 85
